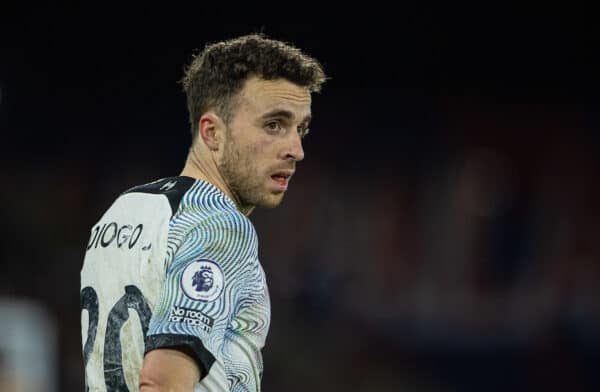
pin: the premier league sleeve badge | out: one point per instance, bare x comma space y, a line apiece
202, 280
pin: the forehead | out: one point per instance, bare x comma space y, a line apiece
260, 96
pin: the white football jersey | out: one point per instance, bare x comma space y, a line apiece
174, 263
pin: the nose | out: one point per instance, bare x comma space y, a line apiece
293, 147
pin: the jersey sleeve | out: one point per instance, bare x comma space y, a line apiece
204, 288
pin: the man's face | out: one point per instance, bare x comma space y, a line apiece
263, 141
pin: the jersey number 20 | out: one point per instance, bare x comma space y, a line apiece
113, 368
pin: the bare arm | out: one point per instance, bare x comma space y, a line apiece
168, 370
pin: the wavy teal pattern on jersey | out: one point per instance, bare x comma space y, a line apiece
208, 226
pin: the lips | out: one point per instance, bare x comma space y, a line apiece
281, 180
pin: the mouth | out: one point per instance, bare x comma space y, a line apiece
281, 180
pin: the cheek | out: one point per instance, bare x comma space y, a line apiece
258, 152
263, 146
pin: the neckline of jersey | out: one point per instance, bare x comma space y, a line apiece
212, 186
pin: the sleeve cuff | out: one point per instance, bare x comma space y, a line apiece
203, 357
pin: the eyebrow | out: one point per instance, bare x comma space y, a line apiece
286, 114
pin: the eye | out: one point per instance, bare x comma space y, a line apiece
303, 131
273, 126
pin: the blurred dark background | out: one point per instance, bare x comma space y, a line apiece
441, 235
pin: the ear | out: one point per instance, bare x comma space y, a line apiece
210, 127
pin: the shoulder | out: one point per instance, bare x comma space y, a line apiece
207, 221
227, 229
223, 241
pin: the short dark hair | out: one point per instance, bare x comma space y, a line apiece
218, 72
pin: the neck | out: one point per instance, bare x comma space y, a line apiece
202, 168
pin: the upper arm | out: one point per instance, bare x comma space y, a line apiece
169, 370
202, 292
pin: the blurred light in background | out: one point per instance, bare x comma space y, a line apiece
27, 347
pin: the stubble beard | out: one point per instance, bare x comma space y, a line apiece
244, 181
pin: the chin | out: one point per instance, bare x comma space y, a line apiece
271, 201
